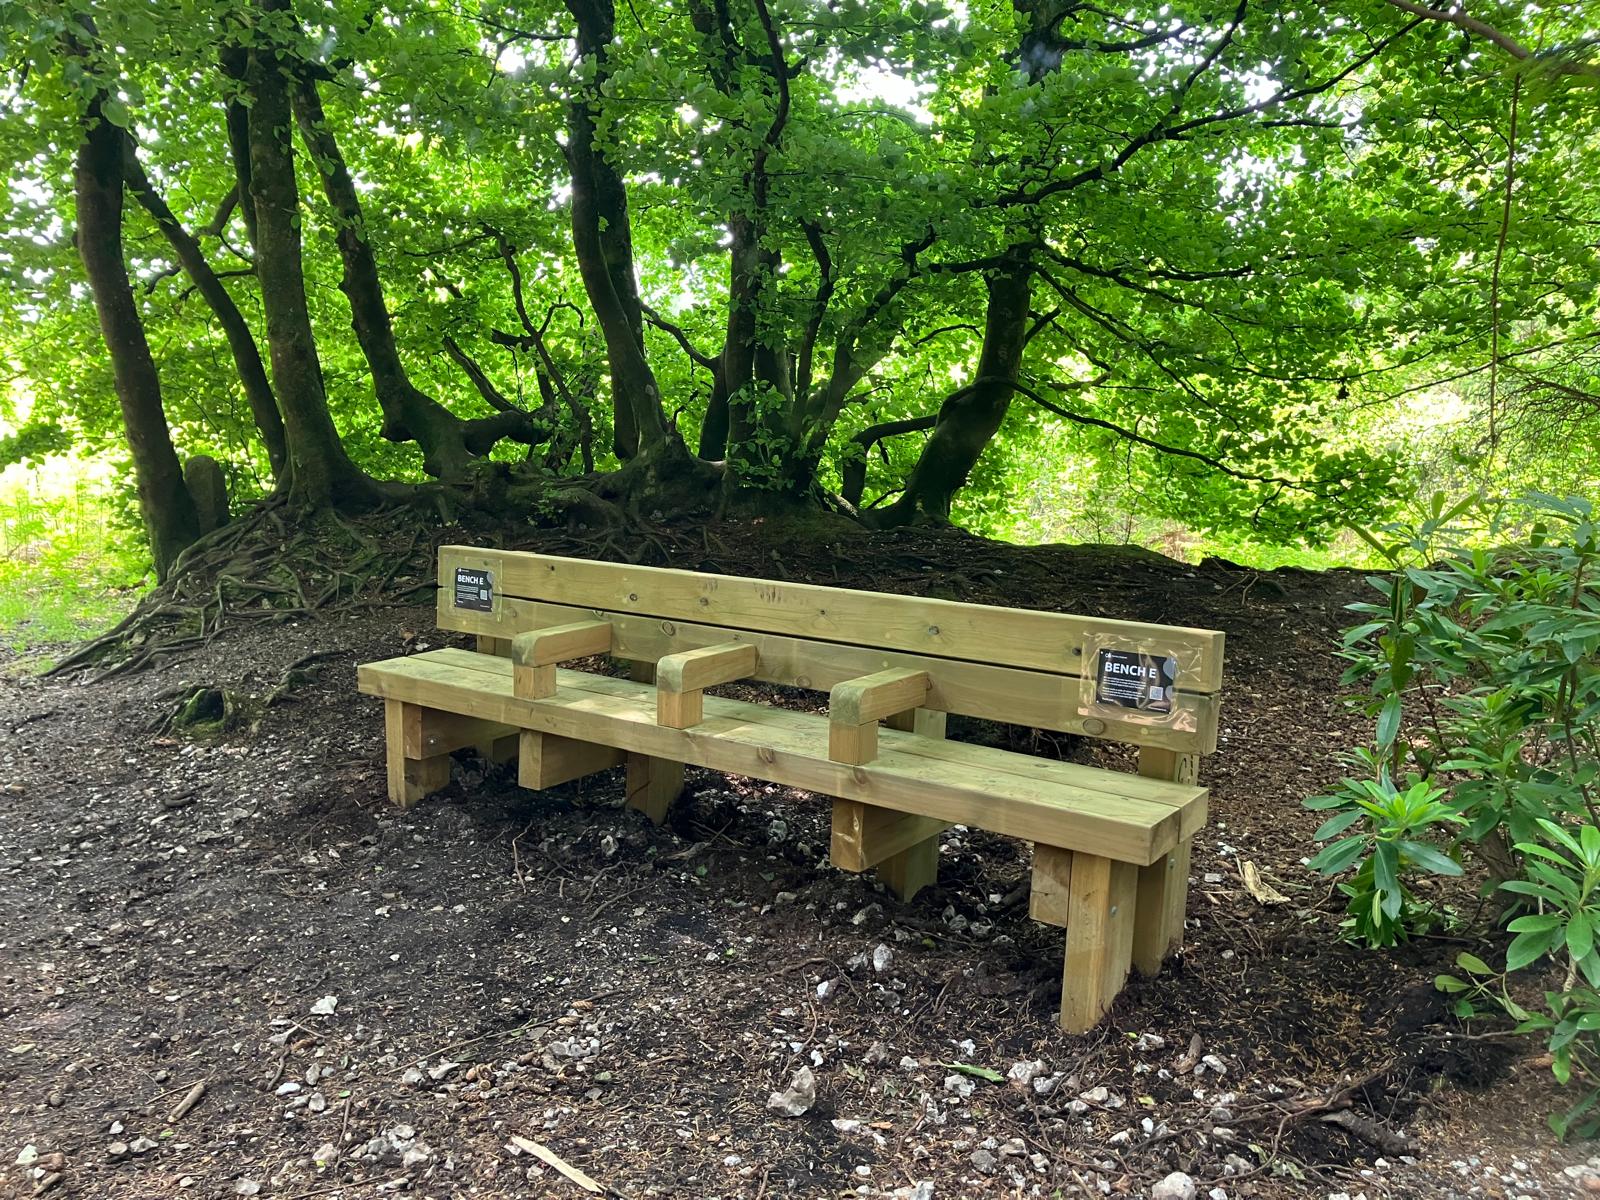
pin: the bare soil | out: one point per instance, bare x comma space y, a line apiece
377, 1001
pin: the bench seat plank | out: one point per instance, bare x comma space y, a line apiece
1073, 775
976, 787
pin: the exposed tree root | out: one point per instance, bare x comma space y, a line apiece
201, 710
279, 562
267, 567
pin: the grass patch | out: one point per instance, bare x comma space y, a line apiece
71, 566
47, 606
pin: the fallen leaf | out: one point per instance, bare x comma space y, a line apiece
1258, 887
976, 1072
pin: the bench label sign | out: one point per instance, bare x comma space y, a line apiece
474, 589
1128, 679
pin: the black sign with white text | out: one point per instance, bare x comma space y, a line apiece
474, 589
1128, 679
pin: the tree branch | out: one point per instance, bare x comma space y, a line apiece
480, 379
854, 471
1550, 61
1216, 464
1161, 131
819, 308
679, 336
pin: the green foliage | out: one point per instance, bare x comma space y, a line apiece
69, 564
1389, 845
1258, 262
1482, 670
33, 443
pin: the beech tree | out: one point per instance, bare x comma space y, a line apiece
768, 253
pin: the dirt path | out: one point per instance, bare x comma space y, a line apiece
377, 1001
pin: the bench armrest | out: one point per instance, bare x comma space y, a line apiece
857, 705
534, 654
681, 680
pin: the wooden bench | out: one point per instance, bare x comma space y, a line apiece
1111, 848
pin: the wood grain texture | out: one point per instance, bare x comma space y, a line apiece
681, 680
975, 689
410, 779
945, 628
560, 643
1102, 894
854, 744
708, 666
865, 835
545, 760
1052, 882
1164, 884
653, 784
992, 789
873, 697
914, 868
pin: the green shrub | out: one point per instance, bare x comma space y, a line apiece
1481, 670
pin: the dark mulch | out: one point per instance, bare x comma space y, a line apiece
553, 967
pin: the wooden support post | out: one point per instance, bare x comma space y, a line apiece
411, 775
903, 847
488, 643
427, 732
546, 760
1164, 884
857, 705
1049, 897
914, 868
906, 872
681, 680
1100, 915
923, 721
536, 653
653, 784
499, 750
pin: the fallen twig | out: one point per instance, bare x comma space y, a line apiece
548, 1156
190, 1099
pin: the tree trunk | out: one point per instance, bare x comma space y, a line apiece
234, 62
602, 239
246, 356
713, 446
970, 417
321, 473
164, 501
449, 443
748, 362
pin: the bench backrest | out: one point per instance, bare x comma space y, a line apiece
1020, 666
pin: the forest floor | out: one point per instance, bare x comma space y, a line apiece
378, 1001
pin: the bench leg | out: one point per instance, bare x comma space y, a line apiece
908, 871
1163, 885
545, 759
500, 749
412, 774
1101, 900
1050, 894
653, 784
1158, 923
904, 847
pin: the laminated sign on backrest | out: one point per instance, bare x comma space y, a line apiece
474, 589
1131, 681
